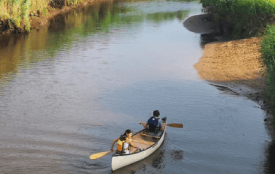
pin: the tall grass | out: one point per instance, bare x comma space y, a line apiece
268, 52
242, 6
248, 16
19, 11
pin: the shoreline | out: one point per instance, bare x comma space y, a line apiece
233, 65
40, 21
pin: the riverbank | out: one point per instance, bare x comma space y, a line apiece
37, 19
236, 65
247, 19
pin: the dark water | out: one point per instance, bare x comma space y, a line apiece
68, 90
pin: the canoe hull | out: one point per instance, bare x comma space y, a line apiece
124, 160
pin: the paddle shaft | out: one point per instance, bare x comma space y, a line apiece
99, 155
175, 125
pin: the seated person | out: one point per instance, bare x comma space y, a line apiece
125, 143
154, 124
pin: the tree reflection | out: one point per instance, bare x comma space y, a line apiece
102, 17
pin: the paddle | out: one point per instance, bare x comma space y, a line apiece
176, 125
99, 155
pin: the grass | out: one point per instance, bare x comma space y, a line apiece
248, 16
268, 52
19, 11
242, 6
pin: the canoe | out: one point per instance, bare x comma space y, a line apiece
152, 144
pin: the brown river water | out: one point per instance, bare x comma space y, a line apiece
68, 90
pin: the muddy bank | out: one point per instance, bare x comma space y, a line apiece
236, 65
39, 20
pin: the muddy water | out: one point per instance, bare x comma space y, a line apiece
68, 90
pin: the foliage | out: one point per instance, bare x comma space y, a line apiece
268, 52
19, 11
248, 16
242, 6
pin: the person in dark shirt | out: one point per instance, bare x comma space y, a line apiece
154, 123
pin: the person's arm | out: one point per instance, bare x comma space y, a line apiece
144, 125
163, 126
114, 141
130, 142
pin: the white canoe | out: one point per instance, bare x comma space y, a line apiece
152, 144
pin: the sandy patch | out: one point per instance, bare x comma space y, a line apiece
234, 61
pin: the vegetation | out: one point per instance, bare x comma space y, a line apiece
248, 16
16, 13
268, 51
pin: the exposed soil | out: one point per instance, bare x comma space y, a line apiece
234, 61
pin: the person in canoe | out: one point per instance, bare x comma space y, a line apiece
154, 123
125, 143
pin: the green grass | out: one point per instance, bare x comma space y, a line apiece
19, 11
248, 16
268, 52
242, 6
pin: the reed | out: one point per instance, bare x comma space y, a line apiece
19, 11
248, 16
242, 6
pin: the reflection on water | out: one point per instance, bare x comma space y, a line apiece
64, 30
177, 154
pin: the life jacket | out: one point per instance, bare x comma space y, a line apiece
153, 124
120, 145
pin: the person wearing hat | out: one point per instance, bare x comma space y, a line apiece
154, 123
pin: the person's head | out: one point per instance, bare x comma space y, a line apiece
156, 113
128, 133
122, 137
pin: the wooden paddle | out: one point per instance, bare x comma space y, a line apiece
176, 125
99, 155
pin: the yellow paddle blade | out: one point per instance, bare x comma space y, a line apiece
176, 125
99, 155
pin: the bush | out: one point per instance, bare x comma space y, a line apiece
268, 52
19, 11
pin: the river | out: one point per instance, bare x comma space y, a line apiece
68, 90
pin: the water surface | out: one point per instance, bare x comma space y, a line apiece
68, 90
